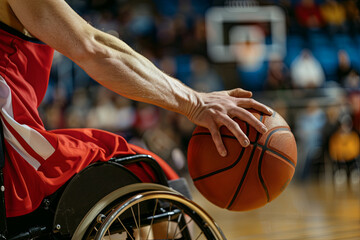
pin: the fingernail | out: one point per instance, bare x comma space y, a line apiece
246, 143
264, 129
270, 111
223, 153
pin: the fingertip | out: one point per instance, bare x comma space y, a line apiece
245, 143
248, 93
264, 129
241, 93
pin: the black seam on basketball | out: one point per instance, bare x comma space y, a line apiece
274, 131
271, 150
260, 175
264, 149
242, 179
225, 168
280, 155
246, 169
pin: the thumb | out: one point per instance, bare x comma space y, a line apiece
239, 93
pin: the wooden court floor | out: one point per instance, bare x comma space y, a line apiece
303, 211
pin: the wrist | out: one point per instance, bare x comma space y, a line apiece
192, 106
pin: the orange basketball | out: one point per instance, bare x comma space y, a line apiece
247, 178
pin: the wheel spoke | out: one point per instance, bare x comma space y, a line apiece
201, 233
178, 222
109, 234
139, 220
186, 226
134, 217
152, 219
125, 229
168, 223
184, 219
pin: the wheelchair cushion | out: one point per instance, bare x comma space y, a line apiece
85, 189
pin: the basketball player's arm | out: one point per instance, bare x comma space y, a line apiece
116, 66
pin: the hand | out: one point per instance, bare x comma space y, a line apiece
218, 109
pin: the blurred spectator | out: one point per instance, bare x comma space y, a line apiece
334, 16
308, 128
54, 116
203, 78
106, 21
353, 15
344, 149
344, 144
78, 110
147, 116
281, 107
124, 115
103, 114
344, 67
332, 122
308, 15
198, 43
354, 102
352, 80
168, 65
163, 139
306, 71
278, 75
142, 22
166, 32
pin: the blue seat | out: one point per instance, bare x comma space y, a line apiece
342, 40
316, 39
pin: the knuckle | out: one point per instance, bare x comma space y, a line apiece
251, 101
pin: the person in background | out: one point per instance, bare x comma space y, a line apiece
308, 15
334, 16
306, 71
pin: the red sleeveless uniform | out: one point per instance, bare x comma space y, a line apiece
38, 162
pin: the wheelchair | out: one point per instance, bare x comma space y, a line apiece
107, 201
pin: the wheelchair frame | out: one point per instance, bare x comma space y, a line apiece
72, 218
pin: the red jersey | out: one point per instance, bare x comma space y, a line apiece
38, 162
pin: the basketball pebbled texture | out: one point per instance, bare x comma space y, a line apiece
247, 178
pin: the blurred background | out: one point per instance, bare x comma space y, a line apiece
301, 57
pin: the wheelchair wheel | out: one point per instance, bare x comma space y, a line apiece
154, 215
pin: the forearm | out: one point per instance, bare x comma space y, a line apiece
116, 66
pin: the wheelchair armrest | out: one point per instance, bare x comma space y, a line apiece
149, 160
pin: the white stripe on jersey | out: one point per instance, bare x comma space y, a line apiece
32, 137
